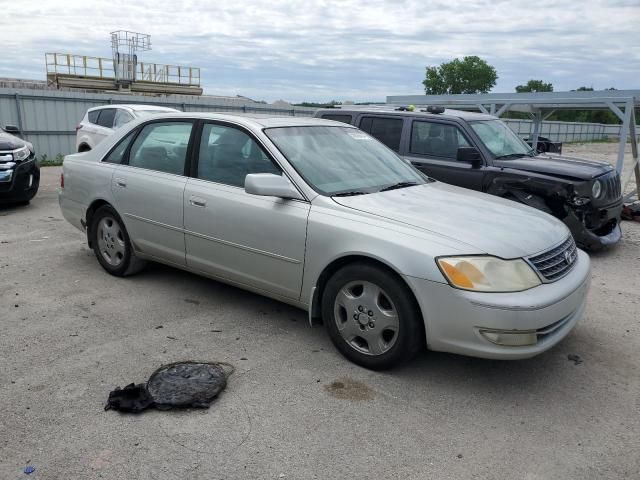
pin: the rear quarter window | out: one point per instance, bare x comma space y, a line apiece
93, 116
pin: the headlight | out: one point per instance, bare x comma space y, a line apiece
488, 274
596, 189
21, 153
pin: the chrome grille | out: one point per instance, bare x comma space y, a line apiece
557, 262
611, 186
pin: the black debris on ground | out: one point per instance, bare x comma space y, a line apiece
176, 385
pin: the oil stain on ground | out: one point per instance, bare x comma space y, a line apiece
349, 389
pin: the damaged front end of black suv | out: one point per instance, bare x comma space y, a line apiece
19, 168
585, 195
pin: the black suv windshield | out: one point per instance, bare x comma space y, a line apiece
500, 139
343, 160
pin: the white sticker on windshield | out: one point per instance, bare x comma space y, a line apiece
359, 135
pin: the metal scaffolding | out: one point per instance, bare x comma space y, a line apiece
542, 105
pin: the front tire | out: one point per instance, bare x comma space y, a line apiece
372, 317
111, 244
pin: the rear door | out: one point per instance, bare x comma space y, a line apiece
148, 189
253, 240
433, 148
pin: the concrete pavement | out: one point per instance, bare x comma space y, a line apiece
294, 408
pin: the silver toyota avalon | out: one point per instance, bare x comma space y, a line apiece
322, 216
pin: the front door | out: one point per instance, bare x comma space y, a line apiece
148, 188
252, 240
433, 148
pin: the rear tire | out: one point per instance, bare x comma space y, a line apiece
112, 245
372, 317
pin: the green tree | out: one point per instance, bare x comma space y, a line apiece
535, 86
469, 75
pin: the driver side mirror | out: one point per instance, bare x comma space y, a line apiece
470, 155
12, 129
270, 185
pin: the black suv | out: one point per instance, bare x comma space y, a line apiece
19, 169
481, 152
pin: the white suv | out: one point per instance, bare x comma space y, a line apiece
100, 122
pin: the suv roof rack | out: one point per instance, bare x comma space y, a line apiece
393, 108
433, 109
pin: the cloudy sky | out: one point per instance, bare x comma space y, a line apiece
338, 49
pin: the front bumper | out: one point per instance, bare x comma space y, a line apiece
23, 182
596, 229
454, 318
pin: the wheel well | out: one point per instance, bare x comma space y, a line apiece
89, 217
84, 147
333, 267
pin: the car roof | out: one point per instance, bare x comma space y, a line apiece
391, 110
135, 107
258, 121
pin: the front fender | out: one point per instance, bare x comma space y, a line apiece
333, 234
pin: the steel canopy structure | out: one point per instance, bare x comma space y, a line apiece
541, 105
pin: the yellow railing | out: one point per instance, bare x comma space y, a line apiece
96, 67
154, 72
79, 65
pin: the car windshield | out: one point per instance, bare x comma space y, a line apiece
500, 139
342, 160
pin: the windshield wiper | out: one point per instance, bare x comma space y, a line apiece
398, 185
349, 194
529, 153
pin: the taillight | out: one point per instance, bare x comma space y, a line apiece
78, 127
62, 180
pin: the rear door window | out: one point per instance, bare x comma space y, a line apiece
338, 118
106, 117
387, 130
436, 139
161, 146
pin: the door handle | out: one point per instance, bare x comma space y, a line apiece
121, 183
198, 202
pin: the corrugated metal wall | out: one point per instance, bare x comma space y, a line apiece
48, 118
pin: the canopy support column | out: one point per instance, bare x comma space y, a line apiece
624, 133
634, 153
537, 120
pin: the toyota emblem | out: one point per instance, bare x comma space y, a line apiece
567, 257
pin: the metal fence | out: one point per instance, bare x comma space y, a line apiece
47, 118
565, 131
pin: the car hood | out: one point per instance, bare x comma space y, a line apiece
486, 223
558, 165
10, 142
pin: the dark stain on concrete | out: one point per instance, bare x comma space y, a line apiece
348, 389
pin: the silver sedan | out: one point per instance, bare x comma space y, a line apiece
322, 216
